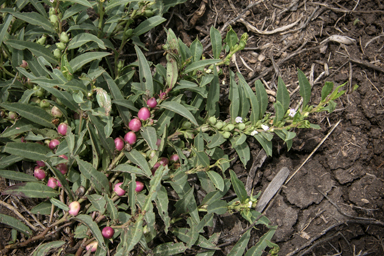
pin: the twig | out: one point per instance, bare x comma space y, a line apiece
346, 10
277, 30
31, 214
367, 64
15, 211
310, 155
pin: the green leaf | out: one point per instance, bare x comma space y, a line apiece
162, 203
150, 136
147, 25
107, 143
44, 208
238, 186
331, 106
172, 71
35, 48
20, 176
186, 204
82, 2
98, 202
62, 179
218, 207
282, 95
196, 50
74, 9
27, 150
126, 103
202, 158
132, 236
31, 190
5, 27
216, 42
213, 95
129, 169
87, 220
34, 18
305, 87
240, 246
262, 98
244, 102
231, 38
240, 140
44, 249
267, 145
216, 179
169, 248
199, 64
204, 243
98, 179
259, 248
9, 160
59, 204
111, 208
16, 224
199, 141
326, 90
78, 62
145, 73
242, 150
255, 107
179, 109
279, 109
234, 97
137, 158
84, 38
32, 113
216, 140
64, 96
114, 3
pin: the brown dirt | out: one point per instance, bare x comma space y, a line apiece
334, 204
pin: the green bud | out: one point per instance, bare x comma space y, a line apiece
64, 37
212, 120
148, 13
54, 19
129, 33
51, 11
226, 135
57, 53
188, 135
186, 125
219, 125
242, 45
42, 40
229, 127
241, 126
60, 46
44, 103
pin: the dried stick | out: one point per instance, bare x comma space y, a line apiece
15, 211
277, 30
30, 213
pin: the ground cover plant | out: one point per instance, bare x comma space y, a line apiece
120, 150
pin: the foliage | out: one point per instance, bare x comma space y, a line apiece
60, 64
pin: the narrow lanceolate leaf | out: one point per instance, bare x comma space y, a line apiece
179, 109
216, 42
111, 208
137, 158
282, 95
4, 29
15, 223
133, 236
84, 38
216, 140
43, 249
279, 112
35, 18
199, 64
240, 246
255, 108
213, 95
162, 206
98, 179
259, 248
27, 150
126, 103
234, 97
326, 90
82, 2
169, 249
35, 48
267, 145
112, 4
242, 150
202, 158
262, 98
98, 202
31, 190
59, 204
9, 160
216, 179
130, 169
145, 74
218, 207
78, 62
20, 176
305, 87
150, 136
64, 96
196, 49
147, 25
108, 146
117, 95
172, 71
87, 220
32, 113
238, 186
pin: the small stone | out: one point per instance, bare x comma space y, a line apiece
261, 57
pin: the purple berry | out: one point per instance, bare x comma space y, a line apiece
62, 129
52, 183
118, 190
152, 103
174, 158
130, 138
144, 114
53, 143
40, 163
108, 232
134, 125
119, 144
74, 208
39, 173
139, 186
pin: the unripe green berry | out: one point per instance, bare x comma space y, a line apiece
219, 125
53, 19
241, 126
229, 127
57, 53
226, 135
186, 125
129, 33
41, 41
212, 120
60, 46
64, 37
44, 103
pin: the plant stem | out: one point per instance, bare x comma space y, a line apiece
101, 16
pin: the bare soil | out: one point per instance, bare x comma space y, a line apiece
334, 205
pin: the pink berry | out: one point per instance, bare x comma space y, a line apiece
118, 190
59, 184
134, 125
144, 114
53, 143
92, 246
164, 161
174, 158
108, 232
12, 115
52, 183
64, 156
130, 138
152, 103
154, 168
62, 129
40, 163
158, 142
119, 144
74, 208
56, 112
39, 173
139, 186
